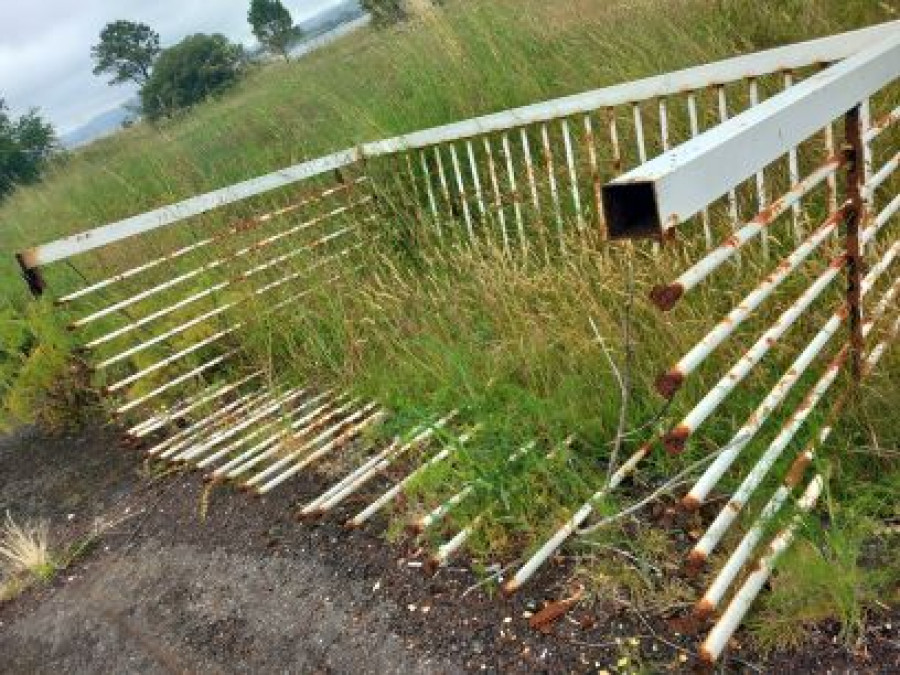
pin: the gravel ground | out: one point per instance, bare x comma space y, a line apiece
183, 580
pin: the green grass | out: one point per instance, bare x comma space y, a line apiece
510, 342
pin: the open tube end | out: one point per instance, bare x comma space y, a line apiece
31, 273
631, 211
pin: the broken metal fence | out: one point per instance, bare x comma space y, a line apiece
158, 302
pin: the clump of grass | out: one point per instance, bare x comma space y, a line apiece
25, 549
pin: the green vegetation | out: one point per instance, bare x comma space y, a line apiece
26, 144
272, 25
511, 341
126, 51
196, 68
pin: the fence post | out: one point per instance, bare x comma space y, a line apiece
855, 220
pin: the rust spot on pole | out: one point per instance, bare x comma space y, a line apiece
665, 297
669, 383
690, 503
676, 439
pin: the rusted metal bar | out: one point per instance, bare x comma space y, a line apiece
313, 418
350, 427
666, 296
526, 571
372, 467
183, 409
729, 513
855, 220
476, 180
590, 143
671, 381
441, 510
184, 377
741, 554
717, 639
398, 488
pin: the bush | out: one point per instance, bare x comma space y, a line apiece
26, 144
194, 69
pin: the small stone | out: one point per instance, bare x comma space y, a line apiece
507, 619
411, 608
682, 658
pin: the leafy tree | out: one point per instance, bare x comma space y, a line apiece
197, 67
126, 50
385, 12
25, 146
272, 25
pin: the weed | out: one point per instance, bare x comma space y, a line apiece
26, 549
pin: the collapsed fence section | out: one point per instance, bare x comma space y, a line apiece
751, 151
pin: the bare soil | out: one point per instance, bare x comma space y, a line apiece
180, 579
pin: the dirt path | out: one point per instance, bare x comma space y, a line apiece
182, 582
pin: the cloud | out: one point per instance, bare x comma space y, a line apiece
45, 47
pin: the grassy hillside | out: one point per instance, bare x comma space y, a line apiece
512, 342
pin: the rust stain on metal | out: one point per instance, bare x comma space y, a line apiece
666, 296
676, 440
669, 383
544, 619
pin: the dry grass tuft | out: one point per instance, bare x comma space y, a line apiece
25, 549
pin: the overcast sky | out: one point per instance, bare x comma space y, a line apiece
45, 46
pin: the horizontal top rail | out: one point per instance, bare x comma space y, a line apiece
822, 50
174, 213
655, 197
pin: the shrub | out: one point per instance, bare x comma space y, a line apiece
197, 67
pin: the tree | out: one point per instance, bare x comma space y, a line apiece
272, 25
385, 12
25, 146
197, 67
126, 50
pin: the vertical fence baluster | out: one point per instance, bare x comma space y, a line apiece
415, 186
573, 174
498, 199
445, 187
476, 179
853, 132
551, 176
590, 142
761, 199
694, 122
664, 124
429, 189
733, 212
614, 141
514, 189
794, 172
639, 132
461, 187
532, 183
